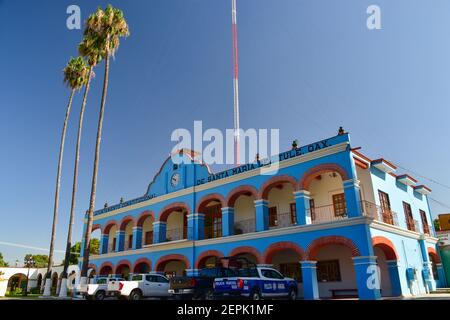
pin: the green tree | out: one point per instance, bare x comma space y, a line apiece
76, 248
437, 225
3, 263
40, 260
74, 77
105, 27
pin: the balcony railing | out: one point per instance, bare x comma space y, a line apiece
374, 211
213, 232
244, 226
283, 220
111, 248
324, 214
413, 225
176, 234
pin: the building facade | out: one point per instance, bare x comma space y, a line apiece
326, 215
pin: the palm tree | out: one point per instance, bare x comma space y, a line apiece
105, 27
85, 49
74, 77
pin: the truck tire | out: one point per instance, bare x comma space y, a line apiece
292, 295
100, 295
256, 294
135, 295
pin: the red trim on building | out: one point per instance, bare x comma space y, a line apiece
176, 206
281, 246
207, 199
273, 182
433, 252
108, 226
142, 261
386, 246
313, 172
249, 250
171, 257
106, 265
393, 166
93, 267
95, 227
317, 244
205, 255
144, 215
121, 264
124, 222
234, 194
361, 164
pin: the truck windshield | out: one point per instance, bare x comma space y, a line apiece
101, 281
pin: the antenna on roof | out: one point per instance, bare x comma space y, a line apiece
235, 82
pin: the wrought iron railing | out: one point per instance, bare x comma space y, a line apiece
176, 234
326, 213
283, 220
376, 212
213, 232
111, 248
244, 226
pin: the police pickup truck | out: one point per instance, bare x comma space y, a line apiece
256, 283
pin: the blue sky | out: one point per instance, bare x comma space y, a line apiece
306, 67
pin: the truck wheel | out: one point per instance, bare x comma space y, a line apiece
209, 295
135, 295
292, 294
255, 295
100, 295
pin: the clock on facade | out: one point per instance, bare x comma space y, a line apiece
175, 179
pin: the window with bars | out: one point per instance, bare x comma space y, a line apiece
273, 217
408, 216
292, 270
148, 237
213, 221
293, 209
328, 271
339, 205
130, 241
312, 209
423, 216
385, 207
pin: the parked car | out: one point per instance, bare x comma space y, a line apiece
199, 286
100, 289
256, 282
144, 285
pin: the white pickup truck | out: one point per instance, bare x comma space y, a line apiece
100, 289
144, 285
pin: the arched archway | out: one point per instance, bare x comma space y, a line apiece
325, 184
335, 268
142, 265
145, 222
211, 206
274, 183
387, 258
172, 264
106, 269
17, 283
123, 268
54, 286
434, 260
110, 232
242, 200
39, 281
175, 217
208, 258
126, 226
252, 254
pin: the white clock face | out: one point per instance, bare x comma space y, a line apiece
175, 180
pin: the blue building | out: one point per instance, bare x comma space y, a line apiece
333, 219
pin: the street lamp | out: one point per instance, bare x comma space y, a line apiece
29, 263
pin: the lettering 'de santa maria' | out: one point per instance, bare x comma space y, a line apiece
265, 162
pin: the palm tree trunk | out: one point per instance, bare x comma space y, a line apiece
87, 236
58, 183
75, 177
